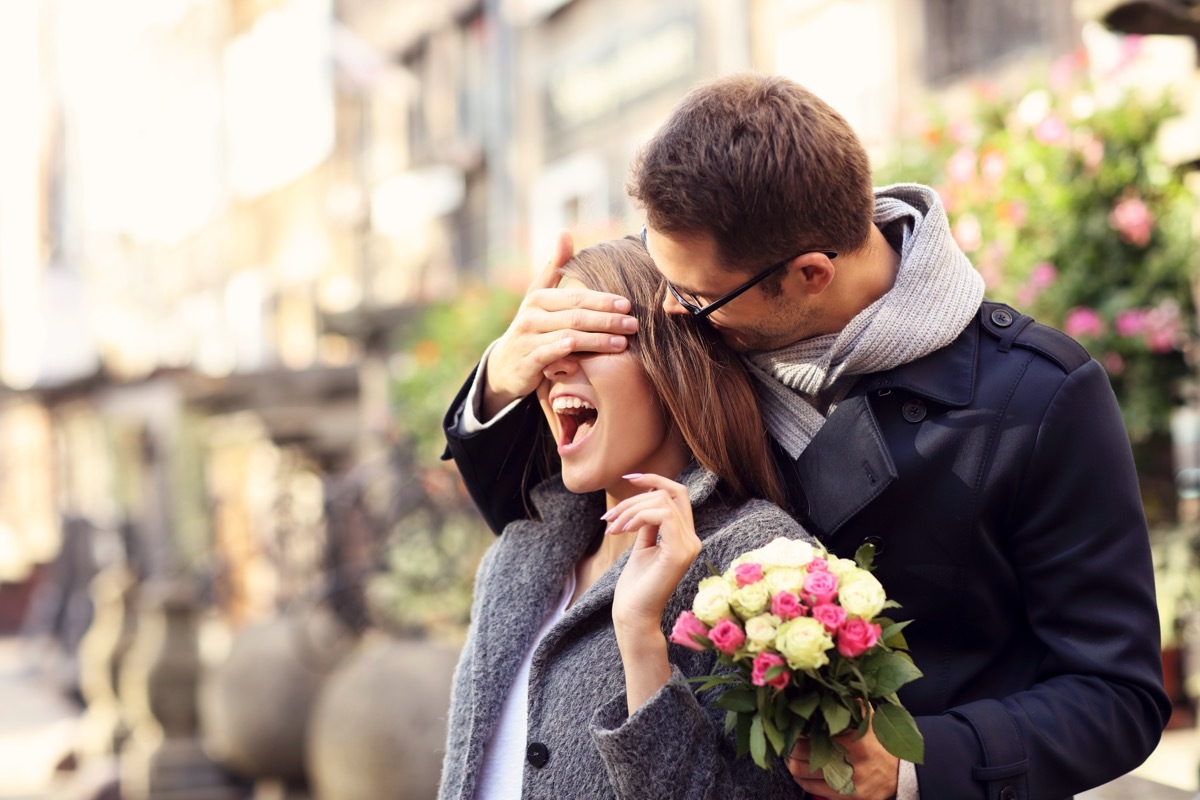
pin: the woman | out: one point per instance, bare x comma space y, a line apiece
567, 686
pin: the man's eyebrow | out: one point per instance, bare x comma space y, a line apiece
679, 287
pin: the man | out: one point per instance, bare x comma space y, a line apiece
982, 453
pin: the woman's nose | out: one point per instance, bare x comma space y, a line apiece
561, 367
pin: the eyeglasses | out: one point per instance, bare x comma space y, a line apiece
692, 303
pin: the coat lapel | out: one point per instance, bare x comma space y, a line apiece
525, 580
848, 463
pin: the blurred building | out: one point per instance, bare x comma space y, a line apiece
213, 214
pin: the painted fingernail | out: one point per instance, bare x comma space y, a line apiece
632, 476
607, 514
629, 324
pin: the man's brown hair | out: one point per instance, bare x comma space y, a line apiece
705, 391
761, 164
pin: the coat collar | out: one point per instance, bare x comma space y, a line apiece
946, 376
848, 463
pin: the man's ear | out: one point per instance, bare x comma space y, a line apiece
814, 271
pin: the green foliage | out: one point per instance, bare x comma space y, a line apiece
1063, 202
435, 353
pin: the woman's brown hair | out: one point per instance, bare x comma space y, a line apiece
704, 389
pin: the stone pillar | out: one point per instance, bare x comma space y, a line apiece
158, 689
102, 651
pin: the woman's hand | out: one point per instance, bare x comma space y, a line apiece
666, 545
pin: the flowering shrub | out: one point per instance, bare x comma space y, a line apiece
809, 653
1064, 204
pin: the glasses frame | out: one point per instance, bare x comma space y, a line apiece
701, 311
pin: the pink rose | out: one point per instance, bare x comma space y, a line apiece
747, 574
818, 565
1082, 321
856, 637
831, 614
763, 663
685, 626
786, 605
1133, 221
820, 587
727, 636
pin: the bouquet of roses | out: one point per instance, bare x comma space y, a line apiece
810, 655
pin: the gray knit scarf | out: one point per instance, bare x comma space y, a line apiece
936, 286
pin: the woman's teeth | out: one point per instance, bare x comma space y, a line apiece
576, 417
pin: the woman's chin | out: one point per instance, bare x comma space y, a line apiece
580, 484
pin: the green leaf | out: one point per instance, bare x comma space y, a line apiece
892, 672
897, 732
839, 774
864, 556
709, 681
774, 736
820, 749
805, 705
731, 718
737, 700
743, 734
837, 716
758, 743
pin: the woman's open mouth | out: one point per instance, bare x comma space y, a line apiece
576, 419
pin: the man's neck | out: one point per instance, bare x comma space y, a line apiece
863, 277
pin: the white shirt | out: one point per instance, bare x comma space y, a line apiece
504, 755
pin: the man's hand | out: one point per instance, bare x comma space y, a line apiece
551, 323
876, 771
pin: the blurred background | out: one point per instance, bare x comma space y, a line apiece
249, 250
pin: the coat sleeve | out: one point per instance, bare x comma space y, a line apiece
1079, 545
673, 748
497, 463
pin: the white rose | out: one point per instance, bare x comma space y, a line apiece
712, 600
785, 579
862, 595
803, 641
760, 632
841, 567
751, 600
783, 552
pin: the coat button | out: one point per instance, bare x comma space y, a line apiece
537, 754
1008, 793
1002, 317
913, 410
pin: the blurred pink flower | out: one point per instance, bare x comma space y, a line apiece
992, 165
1130, 322
961, 166
1091, 149
1082, 321
1013, 212
963, 131
1040, 278
1161, 327
1051, 130
968, 233
1113, 363
1132, 219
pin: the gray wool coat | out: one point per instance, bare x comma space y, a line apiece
674, 746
